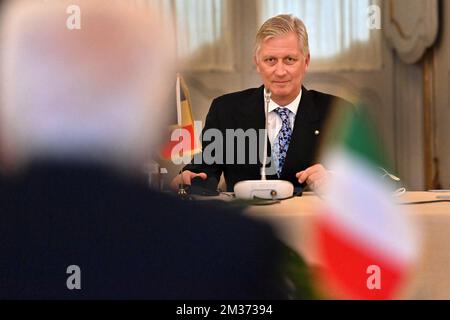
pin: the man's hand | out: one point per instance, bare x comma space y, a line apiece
316, 177
185, 178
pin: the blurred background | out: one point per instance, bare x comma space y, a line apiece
394, 55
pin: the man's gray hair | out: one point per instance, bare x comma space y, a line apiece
94, 93
281, 25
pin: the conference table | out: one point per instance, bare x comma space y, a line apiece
293, 219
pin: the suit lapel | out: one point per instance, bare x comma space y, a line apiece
302, 137
251, 113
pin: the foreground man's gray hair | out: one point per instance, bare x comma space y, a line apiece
96, 93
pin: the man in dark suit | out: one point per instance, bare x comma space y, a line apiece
296, 115
77, 221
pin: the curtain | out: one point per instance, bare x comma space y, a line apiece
203, 29
339, 37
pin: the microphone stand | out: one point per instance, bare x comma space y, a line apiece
267, 95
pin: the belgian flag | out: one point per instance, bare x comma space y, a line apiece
182, 133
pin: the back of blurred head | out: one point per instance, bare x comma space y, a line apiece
92, 94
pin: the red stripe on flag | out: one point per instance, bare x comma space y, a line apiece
188, 141
346, 259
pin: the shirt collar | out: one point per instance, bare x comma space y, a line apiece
293, 106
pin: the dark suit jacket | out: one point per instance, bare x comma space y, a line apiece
128, 241
245, 110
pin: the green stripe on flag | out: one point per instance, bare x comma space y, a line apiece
353, 131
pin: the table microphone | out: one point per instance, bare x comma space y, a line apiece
264, 189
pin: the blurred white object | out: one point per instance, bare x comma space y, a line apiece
68, 93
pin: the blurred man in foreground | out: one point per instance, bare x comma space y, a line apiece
75, 125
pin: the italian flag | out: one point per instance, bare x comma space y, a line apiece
365, 242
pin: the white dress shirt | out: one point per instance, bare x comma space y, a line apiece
274, 121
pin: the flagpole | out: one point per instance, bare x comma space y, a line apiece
179, 112
179, 120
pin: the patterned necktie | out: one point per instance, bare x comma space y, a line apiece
283, 138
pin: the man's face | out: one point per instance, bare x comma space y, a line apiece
282, 66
